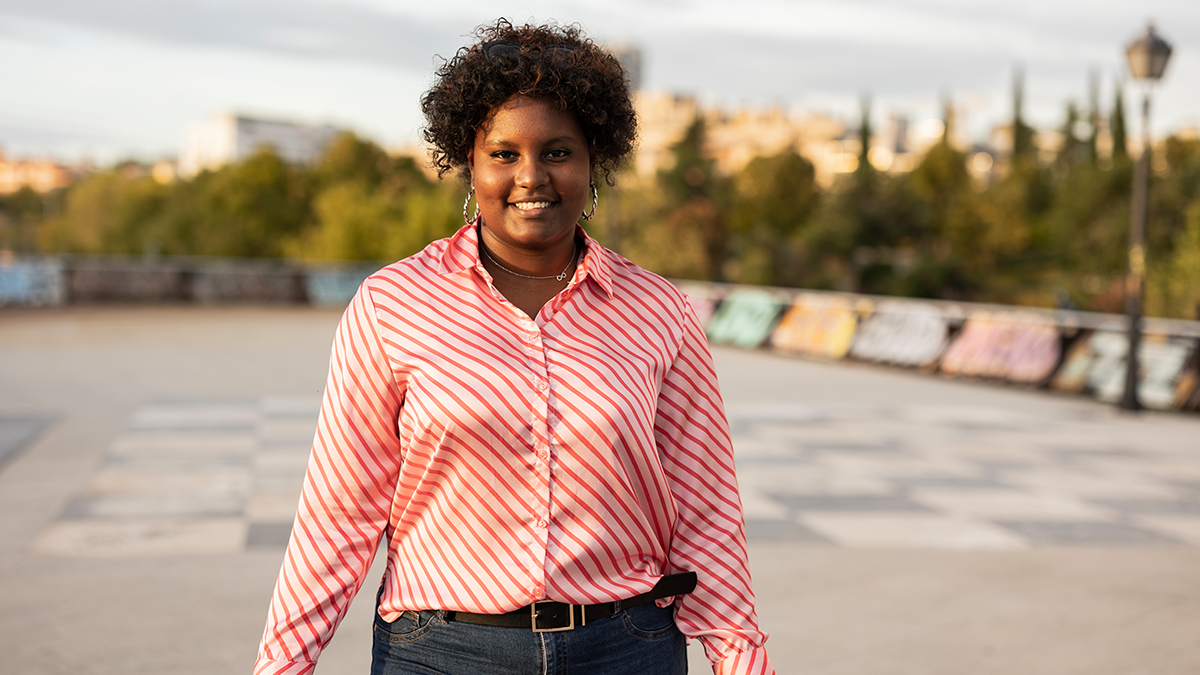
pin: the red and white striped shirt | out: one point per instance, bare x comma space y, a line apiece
578, 456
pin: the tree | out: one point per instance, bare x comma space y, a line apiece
864, 173
106, 213
774, 198
1022, 133
1173, 288
1073, 149
696, 196
20, 214
1117, 125
1093, 115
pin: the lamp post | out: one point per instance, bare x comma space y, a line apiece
1148, 56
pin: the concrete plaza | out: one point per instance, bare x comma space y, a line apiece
150, 460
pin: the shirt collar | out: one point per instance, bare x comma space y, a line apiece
462, 254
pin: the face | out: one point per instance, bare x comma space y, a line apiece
531, 168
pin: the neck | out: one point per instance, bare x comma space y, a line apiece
539, 262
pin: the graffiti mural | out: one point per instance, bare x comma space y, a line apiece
902, 333
1072, 375
31, 282
1162, 361
745, 318
1009, 346
818, 325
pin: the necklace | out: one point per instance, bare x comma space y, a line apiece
558, 277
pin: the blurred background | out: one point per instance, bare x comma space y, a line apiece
923, 200
960, 150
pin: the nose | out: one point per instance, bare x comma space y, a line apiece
531, 172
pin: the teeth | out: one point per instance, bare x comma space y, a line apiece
527, 206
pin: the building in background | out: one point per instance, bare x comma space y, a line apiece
735, 136
227, 138
41, 175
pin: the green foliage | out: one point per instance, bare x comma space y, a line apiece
1116, 122
1031, 234
105, 213
694, 215
249, 209
1022, 132
1173, 287
356, 203
20, 213
774, 197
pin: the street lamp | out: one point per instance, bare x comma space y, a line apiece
1148, 56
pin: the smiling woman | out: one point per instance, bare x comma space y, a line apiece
530, 421
531, 172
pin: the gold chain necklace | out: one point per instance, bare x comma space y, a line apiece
558, 277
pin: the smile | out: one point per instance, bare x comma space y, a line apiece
530, 206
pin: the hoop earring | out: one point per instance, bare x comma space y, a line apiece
466, 205
595, 198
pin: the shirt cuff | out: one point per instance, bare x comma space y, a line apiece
271, 667
753, 661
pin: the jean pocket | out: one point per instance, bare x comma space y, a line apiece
648, 621
407, 627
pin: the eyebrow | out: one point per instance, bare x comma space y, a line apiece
551, 141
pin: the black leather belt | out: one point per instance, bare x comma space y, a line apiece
549, 616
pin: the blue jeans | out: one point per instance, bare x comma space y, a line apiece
642, 640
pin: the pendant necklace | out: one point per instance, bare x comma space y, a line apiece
557, 277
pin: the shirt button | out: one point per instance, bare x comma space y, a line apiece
542, 455
542, 385
542, 524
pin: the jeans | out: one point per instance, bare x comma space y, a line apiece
642, 640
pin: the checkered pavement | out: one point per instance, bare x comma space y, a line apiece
192, 477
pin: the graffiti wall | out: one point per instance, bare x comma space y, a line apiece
1021, 346
32, 283
1096, 365
745, 318
901, 333
1011, 346
817, 325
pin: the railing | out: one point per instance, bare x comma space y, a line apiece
1058, 350
1064, 351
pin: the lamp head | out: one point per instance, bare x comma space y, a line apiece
1148, 56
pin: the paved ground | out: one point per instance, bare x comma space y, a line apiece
150, 461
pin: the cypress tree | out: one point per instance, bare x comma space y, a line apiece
1022, 133
864, 134
1117, 122
1093, 113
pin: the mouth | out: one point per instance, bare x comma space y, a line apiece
532, 205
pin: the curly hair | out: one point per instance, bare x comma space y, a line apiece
553, 63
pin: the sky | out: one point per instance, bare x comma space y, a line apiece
104, 80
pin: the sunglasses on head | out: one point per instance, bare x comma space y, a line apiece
497, 49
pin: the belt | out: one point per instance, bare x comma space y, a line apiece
550, 616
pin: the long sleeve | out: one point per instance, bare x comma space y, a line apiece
692, 435
346, 501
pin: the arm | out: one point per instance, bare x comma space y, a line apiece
346, 500
692, 435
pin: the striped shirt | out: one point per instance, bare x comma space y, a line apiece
576, 457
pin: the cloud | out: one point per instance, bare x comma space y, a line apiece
296, 28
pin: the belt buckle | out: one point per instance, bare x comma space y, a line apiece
533, 614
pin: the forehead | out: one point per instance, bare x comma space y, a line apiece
521, 119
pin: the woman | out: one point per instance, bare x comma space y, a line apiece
531, 420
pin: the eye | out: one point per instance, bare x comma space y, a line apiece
558, 153
503, 154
